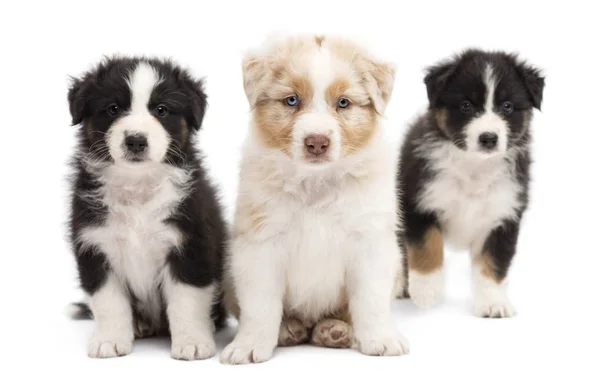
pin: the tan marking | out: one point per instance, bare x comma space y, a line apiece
292, 332
333, 333
357, 125
441, 119
336, 90
428, 256
319, 39
486, 266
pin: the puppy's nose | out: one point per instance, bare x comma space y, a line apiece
316, 144
136, 143
488, 140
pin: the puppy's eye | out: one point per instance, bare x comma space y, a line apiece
466, 107
507, 107
292, 101
343, 102
162, 110
113, 109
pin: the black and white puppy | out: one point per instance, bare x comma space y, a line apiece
146, 227
464, 174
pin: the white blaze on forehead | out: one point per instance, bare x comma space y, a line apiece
489, 79
141, 83
322, 74
488, 121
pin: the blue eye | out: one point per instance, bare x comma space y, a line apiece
292, 100
343, 102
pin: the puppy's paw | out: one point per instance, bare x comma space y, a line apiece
426, 290
193, 350
292, 332
242, 352
333, 333
497, 307
107, 347
387, 346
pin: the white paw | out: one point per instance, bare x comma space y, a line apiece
194, 350
101, 347
240, 352
493, 308
387, 346
426, 289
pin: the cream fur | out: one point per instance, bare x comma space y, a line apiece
309, 241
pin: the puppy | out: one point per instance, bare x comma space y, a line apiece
464, 174
314, 239
146, 228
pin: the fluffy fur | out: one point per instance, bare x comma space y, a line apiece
314, 237
146, 228
464, 174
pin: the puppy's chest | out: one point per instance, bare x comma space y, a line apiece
319, 243
471, 202
134, 236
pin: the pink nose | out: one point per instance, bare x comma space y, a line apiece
316, 144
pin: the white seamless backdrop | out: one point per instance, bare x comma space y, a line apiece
554, 282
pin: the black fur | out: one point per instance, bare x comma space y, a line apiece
448, 85
198, 216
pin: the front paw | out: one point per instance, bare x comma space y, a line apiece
109, 346
393, 345
193, 350
497, 307
244, 352
426, 290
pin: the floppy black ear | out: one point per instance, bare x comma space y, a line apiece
198, 103
436, 79
534, 82
77, 100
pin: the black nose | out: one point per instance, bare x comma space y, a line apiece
136, 143
488, 140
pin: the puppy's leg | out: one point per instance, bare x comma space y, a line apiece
334, 332
370, 282
490, 267
292, 332
424, 249
114, 320
259, 284
190, 323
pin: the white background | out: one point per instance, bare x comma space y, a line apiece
554, 282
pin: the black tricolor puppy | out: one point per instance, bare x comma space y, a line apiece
464, 174
146, 227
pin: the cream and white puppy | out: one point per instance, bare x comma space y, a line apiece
314, 244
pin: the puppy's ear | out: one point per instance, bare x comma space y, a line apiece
198, 103
380, 79
77, 100
254, 71
436, 79
534, 82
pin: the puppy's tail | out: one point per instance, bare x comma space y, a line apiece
79, 311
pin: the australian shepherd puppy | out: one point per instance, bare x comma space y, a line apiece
146, 228
314, 252
464, 174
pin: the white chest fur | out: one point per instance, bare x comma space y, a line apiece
319, 223
134, 236
470, 195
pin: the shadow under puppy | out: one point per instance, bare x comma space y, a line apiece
146, 228
314, 254
464, 174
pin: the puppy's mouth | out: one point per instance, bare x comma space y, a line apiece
135, 158
316, 160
